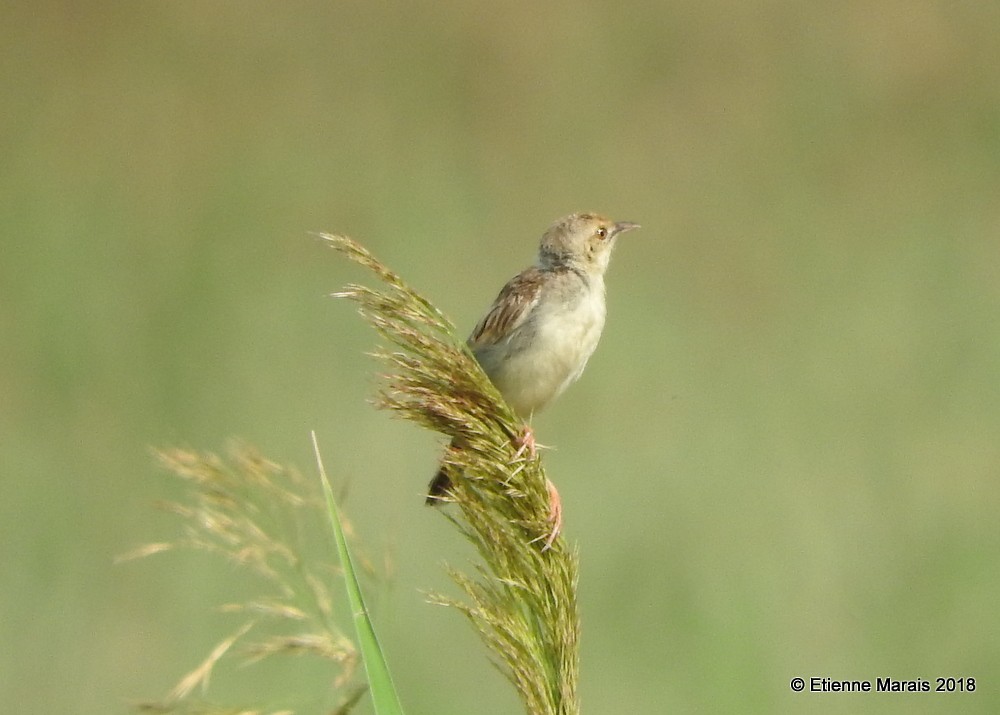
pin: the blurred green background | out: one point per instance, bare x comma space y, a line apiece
785, 455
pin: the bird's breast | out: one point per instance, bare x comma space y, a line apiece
548, 352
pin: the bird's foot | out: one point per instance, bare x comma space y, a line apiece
526, 444
554, 518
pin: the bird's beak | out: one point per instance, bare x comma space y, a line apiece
623, 226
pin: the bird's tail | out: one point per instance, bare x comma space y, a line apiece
437, 490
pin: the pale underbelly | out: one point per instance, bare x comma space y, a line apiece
532, 377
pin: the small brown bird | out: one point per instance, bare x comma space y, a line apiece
536, 338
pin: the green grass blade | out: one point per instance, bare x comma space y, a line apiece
379, 680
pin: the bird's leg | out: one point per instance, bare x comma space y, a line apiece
526, 443
555, 515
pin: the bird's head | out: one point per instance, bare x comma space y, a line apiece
582, 240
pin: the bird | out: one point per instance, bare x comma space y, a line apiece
537, 336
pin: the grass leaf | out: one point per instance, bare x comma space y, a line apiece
383, 691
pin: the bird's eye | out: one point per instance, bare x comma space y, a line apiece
602, 232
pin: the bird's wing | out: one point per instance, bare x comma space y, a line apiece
510, 309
